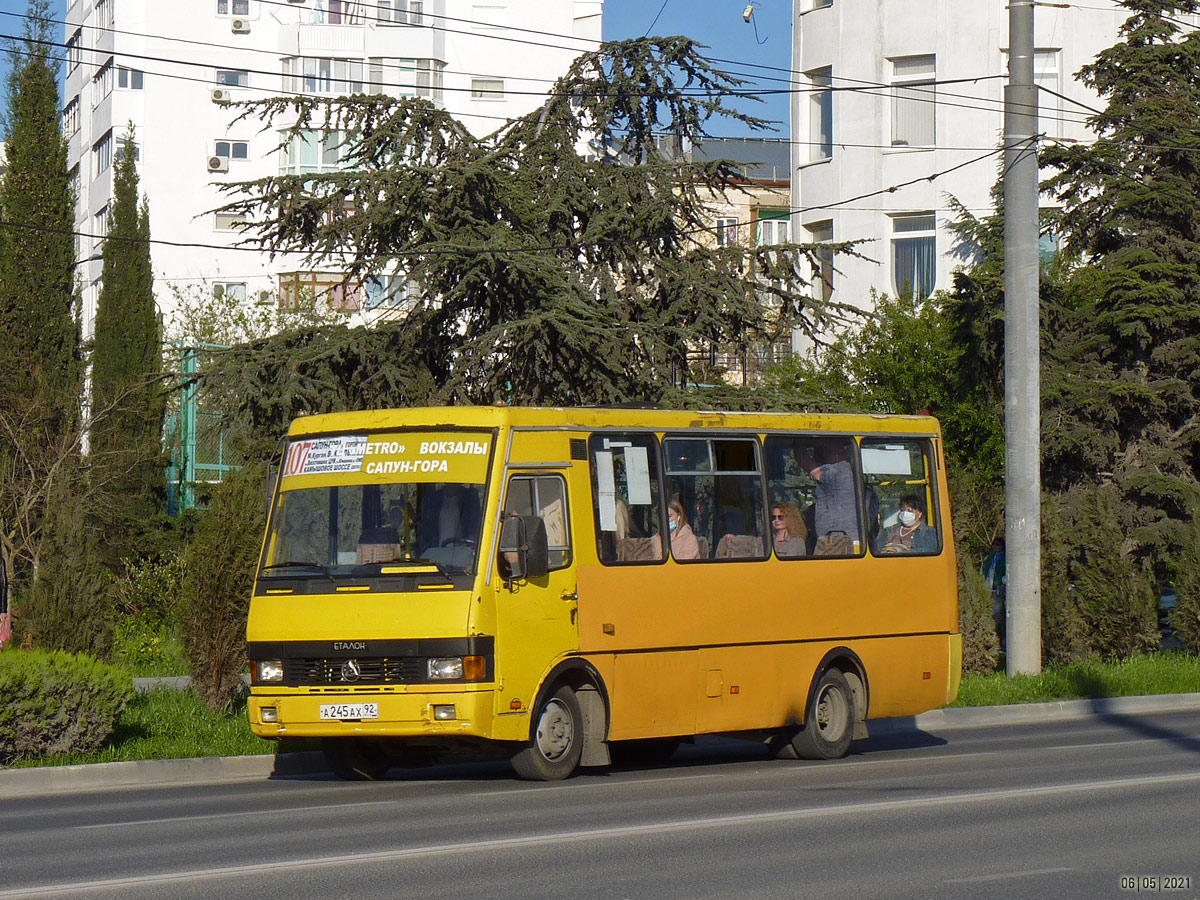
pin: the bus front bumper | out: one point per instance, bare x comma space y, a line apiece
279, 713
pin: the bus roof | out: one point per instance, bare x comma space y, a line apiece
589, 418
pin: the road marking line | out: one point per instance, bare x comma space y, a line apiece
1004, 876
259, 869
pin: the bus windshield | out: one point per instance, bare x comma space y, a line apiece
339, 529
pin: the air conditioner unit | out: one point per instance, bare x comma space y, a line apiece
218, 164
240, 26
221, 95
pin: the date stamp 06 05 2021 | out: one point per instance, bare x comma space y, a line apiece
1156, 884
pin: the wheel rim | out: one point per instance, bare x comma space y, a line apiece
555, 731
832, 717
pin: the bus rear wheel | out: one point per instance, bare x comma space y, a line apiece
557, 739
357, 759
829, 725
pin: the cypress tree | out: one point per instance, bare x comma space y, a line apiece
128, 399
39, 334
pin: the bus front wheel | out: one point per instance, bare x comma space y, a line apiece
829, 725
557, 742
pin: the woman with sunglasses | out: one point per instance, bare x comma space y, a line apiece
790, 535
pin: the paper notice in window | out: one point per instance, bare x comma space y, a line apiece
606, 494
637, 476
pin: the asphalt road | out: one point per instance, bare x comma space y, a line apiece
1060, 809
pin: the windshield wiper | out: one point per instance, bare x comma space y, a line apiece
300, 565
377, 568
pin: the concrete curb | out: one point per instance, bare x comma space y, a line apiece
155, 773
1032, 713
16, 783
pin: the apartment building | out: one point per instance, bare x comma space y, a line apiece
899, 106
170, 69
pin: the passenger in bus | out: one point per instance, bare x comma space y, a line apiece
836, 516
629, 543
787, 528
912, 534
683, 540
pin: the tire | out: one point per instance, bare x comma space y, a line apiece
556, 740
357, 759
829, 724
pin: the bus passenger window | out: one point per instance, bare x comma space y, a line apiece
813, 479
544, 496
626, 496
718, 483
901, 509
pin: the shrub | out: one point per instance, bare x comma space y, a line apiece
55, 702
1094, 566
219, 570
1185, 617
146, 603
981, 646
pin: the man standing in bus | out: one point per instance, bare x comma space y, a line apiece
835, 512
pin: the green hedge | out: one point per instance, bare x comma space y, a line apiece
55, 702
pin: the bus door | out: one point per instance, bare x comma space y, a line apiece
536, 617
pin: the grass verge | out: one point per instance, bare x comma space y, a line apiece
1157, 673
169, 724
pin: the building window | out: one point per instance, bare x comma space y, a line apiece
322, 75
100, 226
727, 231
233, 7
134, 148
487, 88
233, 77
312, 152
102, 154
304, 290
131, 79
338, 12
820, 115
232, 149
914, 255
73, 182
401, 12
1049, 84
102, 83
774, 226
914, 96
74, 50
224, 221
104, 13
385, 292
429, 79
822, 284
70, 121
230, 290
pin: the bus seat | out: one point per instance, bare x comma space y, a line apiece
740, 546
635, 549
702, 543
378, 545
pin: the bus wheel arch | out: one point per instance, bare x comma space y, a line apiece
572, 696
838, 701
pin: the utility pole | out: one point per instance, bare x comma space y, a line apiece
1022, 356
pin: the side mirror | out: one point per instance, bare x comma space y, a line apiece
524, 549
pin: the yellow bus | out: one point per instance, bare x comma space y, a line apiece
561, 584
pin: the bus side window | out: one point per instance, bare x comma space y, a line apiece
626, 498
817, 475
898, 483
718, 483
544, 496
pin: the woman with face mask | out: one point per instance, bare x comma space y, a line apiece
912, 534
683, 540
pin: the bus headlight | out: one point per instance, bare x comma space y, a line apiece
446, 668
269, 670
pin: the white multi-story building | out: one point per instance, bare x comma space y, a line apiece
899, 106
168, 68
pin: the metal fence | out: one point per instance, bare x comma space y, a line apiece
196, 435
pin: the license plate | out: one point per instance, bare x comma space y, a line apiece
349, 710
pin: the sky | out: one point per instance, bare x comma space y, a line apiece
744, 48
